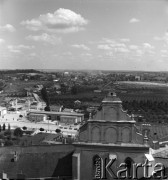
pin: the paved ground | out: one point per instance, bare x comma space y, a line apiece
15, 121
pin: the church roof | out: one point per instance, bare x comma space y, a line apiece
111, 97
112, 109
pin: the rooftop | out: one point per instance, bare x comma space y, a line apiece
56, 113
112, 97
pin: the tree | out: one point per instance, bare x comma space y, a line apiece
4, 127
41, 129
8, 143
44, 95
18, 132
58, 130
9, 127
24, 128
74, 90
7, 133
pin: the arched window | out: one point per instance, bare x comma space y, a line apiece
129, 163
96, 167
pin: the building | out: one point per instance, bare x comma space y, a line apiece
68, 117
3, 111
110, 136
37, 117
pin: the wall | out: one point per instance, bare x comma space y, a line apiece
37, 161
88, 152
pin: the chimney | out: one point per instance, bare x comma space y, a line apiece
155, 141
146, 137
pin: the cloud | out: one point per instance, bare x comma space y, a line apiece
134, 20
18, 48
121, 50
162, 38
156, 38
107, 40
125, 40
110, 54
148, 46
33, 54
114, 47
104, 47
139, 52
8, 28
46, 38
87, 54
133, 47
68, 53
2, 41
81, 46
164, 53
62, 20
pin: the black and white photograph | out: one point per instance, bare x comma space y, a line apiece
84, 89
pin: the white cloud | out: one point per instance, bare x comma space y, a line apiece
62, 20
33, 54
122, 50
125, 40
21, 46
8, 28
107, 40
114, 46
2, 41
139, 52
133, 47
87, 54
162, 38
46, 38
81, 46
122, 45
13, 50
18, 48
68, 53
157, 38
104, 47
134, 20
148, 46
110, 54
164, 53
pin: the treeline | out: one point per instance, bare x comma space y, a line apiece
150, 111
19, 71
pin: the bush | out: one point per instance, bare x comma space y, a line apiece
41, 129
58, 130
18, 132
1, 136
4, 127
8, 143
9, 127
7, 133
24, 128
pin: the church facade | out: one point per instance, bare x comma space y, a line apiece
106, 141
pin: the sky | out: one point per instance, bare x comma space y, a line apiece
84, 34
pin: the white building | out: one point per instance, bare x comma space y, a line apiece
3, 111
